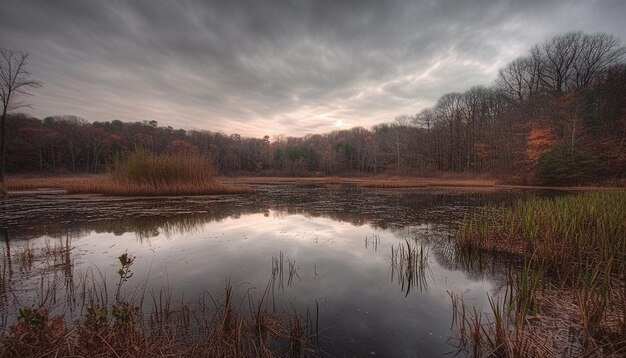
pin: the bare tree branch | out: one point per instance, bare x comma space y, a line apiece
15, 82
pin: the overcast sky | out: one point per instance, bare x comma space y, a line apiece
276, 67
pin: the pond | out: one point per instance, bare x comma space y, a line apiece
339, 251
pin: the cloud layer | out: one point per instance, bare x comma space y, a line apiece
276, 67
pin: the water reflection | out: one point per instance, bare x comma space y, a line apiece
27, 215
409, 265
378, 262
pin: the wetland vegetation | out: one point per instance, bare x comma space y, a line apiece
445, 231
524, 272
320, 266
142, 173
574, 249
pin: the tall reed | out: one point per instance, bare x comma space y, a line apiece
569, 231
143, 173
576, 247
113, 324
409, 267
146, 168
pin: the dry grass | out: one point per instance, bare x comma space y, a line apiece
240, 184
110, 187
142, 174
93, 184
103, 184
120, 327
120, 331
372, 182
146, 168
424, 182
24, 183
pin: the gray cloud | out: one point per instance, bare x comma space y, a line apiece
276, 67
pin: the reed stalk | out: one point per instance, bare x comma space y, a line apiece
575, 249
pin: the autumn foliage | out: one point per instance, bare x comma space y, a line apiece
540, 141
537, 108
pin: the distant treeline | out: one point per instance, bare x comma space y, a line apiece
556, 115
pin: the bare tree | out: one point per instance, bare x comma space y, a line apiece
575, 60
15, 81
597, 54
520, 78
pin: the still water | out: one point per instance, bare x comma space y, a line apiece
338, 247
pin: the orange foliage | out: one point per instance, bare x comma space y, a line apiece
540, 141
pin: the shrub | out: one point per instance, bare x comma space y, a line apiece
564, 166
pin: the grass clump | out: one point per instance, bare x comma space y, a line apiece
143, 173
574, 276
145, 168
570, 231
409, 266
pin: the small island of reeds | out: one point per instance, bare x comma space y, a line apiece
143, 173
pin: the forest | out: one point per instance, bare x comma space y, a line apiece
556, 115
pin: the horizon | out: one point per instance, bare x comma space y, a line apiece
275, 68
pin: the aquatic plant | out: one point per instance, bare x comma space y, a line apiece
145, 168
206, 328
409, 267
575, 273
126, 261
89, 183
278, 273
146, 173
142, 173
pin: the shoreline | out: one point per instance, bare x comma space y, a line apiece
16, 183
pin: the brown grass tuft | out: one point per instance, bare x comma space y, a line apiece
142, 174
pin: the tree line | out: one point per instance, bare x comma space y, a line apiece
554, 115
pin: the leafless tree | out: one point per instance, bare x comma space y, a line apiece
597, 54
15, 81
519, 79
569, 62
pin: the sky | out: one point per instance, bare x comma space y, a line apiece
276, 67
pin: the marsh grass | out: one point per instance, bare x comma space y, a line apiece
373, 242
575, 249
278, 271
88, 184
112, 188
383, 184
571, 231
142, 173
49, 182
26, 255
390, 182
146, 168
520, 320
116, 324
409, 267
103, 184
407, 182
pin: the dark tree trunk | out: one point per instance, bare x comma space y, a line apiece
2, 144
